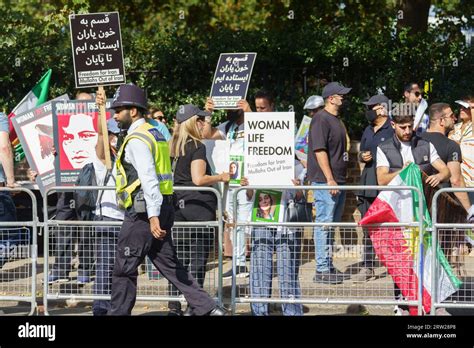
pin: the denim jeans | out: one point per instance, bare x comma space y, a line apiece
244, 209
286, 243
329, 208
106, 242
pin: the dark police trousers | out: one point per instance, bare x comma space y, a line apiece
134, 243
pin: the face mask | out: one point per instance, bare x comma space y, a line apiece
371, 115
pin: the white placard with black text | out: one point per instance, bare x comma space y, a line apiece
269, 148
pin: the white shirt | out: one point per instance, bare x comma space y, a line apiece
139, 155
236, 137
407, 155
108, 203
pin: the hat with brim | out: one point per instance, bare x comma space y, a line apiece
376, 99
334, 88
185, 112
463, 103
112, 126
314, 102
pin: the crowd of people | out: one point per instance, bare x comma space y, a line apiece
149, 160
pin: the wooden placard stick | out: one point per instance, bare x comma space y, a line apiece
103, 128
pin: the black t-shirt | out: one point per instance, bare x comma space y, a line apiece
326, 132
193, 205
447, 149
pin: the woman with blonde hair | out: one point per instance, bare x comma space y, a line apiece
191, 168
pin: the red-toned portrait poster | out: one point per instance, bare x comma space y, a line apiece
76, 135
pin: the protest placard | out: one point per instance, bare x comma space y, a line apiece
269, 148
97, 49
268, 206
218, 155
231, 79
35, 132
75, 136
301, 139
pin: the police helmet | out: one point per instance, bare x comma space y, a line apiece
130, 95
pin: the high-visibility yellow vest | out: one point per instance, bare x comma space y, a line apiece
127, 181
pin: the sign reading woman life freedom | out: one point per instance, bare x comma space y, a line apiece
269, 148
231, 79
97, 49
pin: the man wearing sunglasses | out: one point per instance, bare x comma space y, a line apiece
327, 165
414, 96
442, 121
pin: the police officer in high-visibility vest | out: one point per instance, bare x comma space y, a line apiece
144, 189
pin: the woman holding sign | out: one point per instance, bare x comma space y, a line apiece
191, 168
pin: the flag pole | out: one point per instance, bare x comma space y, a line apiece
105, 133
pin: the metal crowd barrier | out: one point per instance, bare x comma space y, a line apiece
294, 267
452, 240
18, 256
89, 235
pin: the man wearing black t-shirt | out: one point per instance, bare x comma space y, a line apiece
442, 120
327, 165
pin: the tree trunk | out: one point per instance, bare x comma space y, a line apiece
413, 14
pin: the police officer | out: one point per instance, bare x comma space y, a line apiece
144, 189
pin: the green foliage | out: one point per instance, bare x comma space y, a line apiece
172, 46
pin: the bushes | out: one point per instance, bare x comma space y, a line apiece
174, 59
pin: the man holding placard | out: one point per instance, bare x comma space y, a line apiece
327, 165
233, 131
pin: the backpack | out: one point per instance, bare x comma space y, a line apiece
86, 200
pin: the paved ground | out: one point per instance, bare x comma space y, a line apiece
15, 278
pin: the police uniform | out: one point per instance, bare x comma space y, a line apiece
144, 189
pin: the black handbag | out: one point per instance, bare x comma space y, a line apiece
299, 211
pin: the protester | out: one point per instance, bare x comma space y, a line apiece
286, 242
191, 168
327, 165
106, 210
442, 121
65, 238
157, 114
414, 97
313, 105
7, 179
378, 130
464, 136
396, 153
144, 189
158, 120
233, 130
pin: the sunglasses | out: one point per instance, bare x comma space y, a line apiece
417, 94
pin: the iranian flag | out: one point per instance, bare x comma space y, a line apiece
397, 247
37, 96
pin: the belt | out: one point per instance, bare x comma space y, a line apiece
168, 199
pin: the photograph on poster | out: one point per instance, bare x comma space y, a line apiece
267, 206
236, 169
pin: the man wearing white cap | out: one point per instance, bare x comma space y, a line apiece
314, 104
464, 136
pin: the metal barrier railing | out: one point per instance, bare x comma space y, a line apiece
22, 287
451, 239
295, 267
17, 279
153, 289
